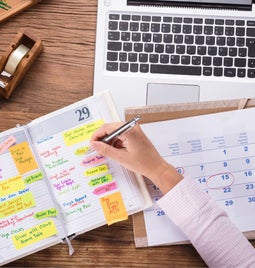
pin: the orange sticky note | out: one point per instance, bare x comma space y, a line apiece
23, 157
114, 208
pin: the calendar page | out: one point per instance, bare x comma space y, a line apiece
218, 152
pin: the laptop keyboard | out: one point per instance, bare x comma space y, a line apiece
181, 45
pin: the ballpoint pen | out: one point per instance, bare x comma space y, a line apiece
127, 126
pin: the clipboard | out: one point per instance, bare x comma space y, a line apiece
13, 7
154, 113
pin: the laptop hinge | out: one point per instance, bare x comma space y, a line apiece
218, 4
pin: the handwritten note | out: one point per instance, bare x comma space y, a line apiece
105, 188
46, 213
81, 133
81, 151
52, 152
34, 177
17, 221
114, 208
23, 157
11, 186
16, 204
100, 180
7, 144
34, 234
96, 170
93, 160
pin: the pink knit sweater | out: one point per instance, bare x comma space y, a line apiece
207, 226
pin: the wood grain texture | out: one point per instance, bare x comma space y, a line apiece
61, 75
16, 6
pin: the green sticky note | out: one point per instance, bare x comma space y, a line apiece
46, 213
34, 177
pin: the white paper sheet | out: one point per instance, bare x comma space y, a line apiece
218, 151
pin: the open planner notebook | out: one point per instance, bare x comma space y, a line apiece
51, 189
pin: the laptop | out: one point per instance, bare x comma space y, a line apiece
161, 51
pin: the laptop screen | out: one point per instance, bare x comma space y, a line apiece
234, 4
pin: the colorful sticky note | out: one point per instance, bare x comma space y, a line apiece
96, 170
11, 185
100, 180
23, 157
7, 144
81, 151
34, 234
16, 204
113, 208
92, 160
105, 188
34, 177
82, 133
46, 213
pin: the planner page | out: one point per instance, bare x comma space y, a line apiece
29, 219
217, 151
90, 190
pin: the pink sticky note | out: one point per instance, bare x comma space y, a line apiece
7, 144
105, 188
91, 161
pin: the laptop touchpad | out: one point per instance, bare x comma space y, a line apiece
171, 93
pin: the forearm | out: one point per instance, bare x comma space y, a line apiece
164, 176
207, 226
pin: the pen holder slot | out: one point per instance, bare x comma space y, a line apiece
12, 69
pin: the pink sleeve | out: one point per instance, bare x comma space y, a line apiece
207, 226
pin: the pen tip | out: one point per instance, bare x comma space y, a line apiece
137, 117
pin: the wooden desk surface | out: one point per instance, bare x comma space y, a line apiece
61, 75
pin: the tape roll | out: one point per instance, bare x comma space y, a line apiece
15, 58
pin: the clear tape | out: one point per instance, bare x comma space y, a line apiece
15, 58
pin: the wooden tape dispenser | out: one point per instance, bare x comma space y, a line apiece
17, 60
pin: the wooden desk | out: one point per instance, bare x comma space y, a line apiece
63, 74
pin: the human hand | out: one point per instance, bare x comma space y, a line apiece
135, 151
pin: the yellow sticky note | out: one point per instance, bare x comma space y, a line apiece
23, 157
114, 208
11, 185
81, 151
34, 234
96, 170
16, 204
82, 133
